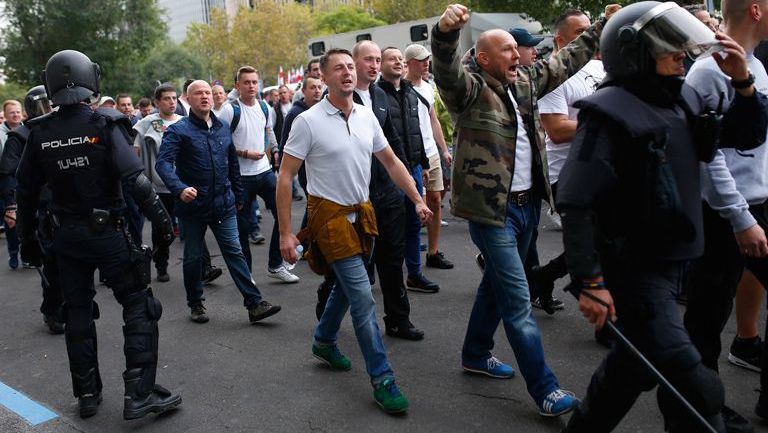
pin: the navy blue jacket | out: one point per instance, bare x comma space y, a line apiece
205, 159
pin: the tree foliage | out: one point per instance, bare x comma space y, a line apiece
545, 11
396, 11
169, 63
268, 36
116, 34
345, 19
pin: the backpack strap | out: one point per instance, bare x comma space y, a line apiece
265, 110
422, 99
235, 116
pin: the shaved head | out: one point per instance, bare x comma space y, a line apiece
734, 11
197, 83
361, 46
489, 38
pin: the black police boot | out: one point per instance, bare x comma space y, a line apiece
142, 399
735, 423
88, 392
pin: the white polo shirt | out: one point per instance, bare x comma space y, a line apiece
249, 134
336, 151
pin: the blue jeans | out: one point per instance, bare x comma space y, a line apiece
262, 185
353, 291
413, 227
225, 232
503, 296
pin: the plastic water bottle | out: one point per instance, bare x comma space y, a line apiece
299, 251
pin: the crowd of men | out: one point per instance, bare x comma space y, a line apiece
364, 139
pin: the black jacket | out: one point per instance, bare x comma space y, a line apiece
382, 189
629, 191
404, 111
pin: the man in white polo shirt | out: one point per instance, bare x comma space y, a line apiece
336, 139
251, 123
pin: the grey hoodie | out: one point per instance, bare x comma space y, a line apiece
734, 180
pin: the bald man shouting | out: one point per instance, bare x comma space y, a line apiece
499, 178
198, 164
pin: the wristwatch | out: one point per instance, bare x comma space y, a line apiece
743, 84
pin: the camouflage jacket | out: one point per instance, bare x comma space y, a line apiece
486, 124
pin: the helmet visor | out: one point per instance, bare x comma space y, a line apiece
39, 105
668, 28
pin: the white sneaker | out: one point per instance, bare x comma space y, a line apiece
283, 275
289, 266
443, 223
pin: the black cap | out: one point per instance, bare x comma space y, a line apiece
524, 38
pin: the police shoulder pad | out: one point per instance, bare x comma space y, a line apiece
110, 115
40, 120
21, 133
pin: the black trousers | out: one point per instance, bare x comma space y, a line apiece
644, 296
52, 295
713, 283
388, 257
80, 252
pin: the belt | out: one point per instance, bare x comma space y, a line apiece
520, 198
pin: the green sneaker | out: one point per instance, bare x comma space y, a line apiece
389, 397
332, 356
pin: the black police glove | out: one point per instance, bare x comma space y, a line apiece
166, 237
31, 253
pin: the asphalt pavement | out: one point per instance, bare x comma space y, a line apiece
238, 377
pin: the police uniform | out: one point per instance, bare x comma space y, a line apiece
36, 104
638, 146
87, 160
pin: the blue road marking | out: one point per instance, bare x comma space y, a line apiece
18, 403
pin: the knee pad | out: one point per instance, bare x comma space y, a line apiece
141, 313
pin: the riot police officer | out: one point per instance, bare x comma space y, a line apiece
639, 142
36, 104
88, 162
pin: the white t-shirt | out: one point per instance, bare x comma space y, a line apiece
216, 112
365, 95
521, 178
425, 124
249, 135
560, 101
336, 152
284, 108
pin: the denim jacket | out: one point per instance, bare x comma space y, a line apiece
195, 155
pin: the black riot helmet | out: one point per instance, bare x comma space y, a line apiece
639, 32
36, 102
70, 77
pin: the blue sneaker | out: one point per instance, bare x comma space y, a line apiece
558, 402
490, 367
13, 261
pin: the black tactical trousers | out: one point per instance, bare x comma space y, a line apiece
52, 296
713, 283
80, 252
645, 301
